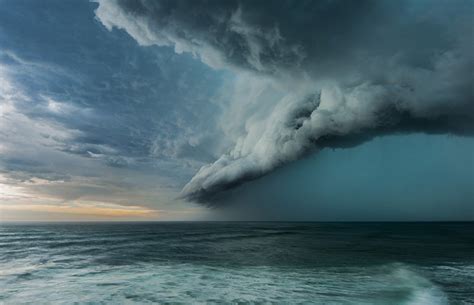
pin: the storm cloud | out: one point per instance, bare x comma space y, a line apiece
315, 74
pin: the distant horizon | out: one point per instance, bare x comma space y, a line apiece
269, 221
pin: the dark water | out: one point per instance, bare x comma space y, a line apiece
202, 263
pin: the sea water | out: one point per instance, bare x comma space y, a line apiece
237, 263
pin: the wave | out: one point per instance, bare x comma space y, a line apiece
420, 290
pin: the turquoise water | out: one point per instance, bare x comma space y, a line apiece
214, 263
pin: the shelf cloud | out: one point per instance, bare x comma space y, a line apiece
315, 74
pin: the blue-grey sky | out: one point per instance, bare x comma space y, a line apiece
166, 110
394, 178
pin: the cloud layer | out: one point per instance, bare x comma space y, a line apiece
89, 116
322, 73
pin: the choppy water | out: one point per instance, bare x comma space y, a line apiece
200, 263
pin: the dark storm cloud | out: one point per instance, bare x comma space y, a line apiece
349, 70
256, 35
317, 37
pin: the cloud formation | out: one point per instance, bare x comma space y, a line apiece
93, 117
326, 73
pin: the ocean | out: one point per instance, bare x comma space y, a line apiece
237, 263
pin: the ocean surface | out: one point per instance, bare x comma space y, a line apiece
237, 263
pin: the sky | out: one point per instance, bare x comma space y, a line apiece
236, 110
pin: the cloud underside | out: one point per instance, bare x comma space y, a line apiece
345, 72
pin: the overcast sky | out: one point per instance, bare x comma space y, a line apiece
190, 110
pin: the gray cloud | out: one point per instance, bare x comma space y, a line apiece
82, 111
344, 72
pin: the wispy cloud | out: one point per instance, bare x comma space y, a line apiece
91, 116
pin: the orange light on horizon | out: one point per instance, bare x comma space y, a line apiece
96, 210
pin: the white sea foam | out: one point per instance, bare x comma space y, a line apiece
422, 290
199, 284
